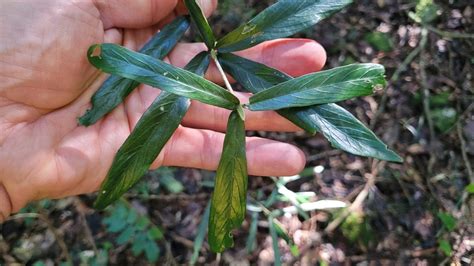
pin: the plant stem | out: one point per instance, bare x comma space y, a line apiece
449, 34
221, 71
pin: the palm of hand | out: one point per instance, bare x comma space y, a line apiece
46, 83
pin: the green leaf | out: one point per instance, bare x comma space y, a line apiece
426, 11
201, 234
147, 140
470, 188
126, 235
337, 84
251, 243
120, 61
139, 244
199, 64
155, 233
449, 222
152, 251
339, 126
284, 18
256, 77
274, 235
200, 20
445, 118
115, 89
346, 132
142, 147
171, 184
229, 198
380, 41
445, 246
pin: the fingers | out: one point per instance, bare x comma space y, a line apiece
202, 149
207, 6
142, 13
133, 14
295, 57
205, 116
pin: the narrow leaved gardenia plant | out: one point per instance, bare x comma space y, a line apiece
308, 101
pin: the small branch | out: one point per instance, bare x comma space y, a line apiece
357, 204
451, 35
221, 71
51, 227
395, 76
465, 157
426, 98
88, 233
464, 153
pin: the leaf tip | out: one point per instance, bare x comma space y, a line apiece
95, 51
85, 120
397, 158
390, 156
102, 202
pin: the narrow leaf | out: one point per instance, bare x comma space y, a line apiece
229, 198
146, 141
346, 132
199, 64
120, 61
115, 89
197, 15
335, 85
284, 18
256, 77
274, 235
251, 243
339, 126
201, 234
142, 147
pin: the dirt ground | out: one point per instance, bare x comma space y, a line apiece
416, 213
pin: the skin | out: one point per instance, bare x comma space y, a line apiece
46, 83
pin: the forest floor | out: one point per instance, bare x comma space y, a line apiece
420, 212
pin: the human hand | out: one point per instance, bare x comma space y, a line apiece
46, 83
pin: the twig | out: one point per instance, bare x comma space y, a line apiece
395, 76
426, 98
183, 241
449, 34
80, 209
425, 253
57, 236
465, 195
221, 71
464, 153
354, 206
322, 155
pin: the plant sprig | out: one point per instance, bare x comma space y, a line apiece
307, 101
